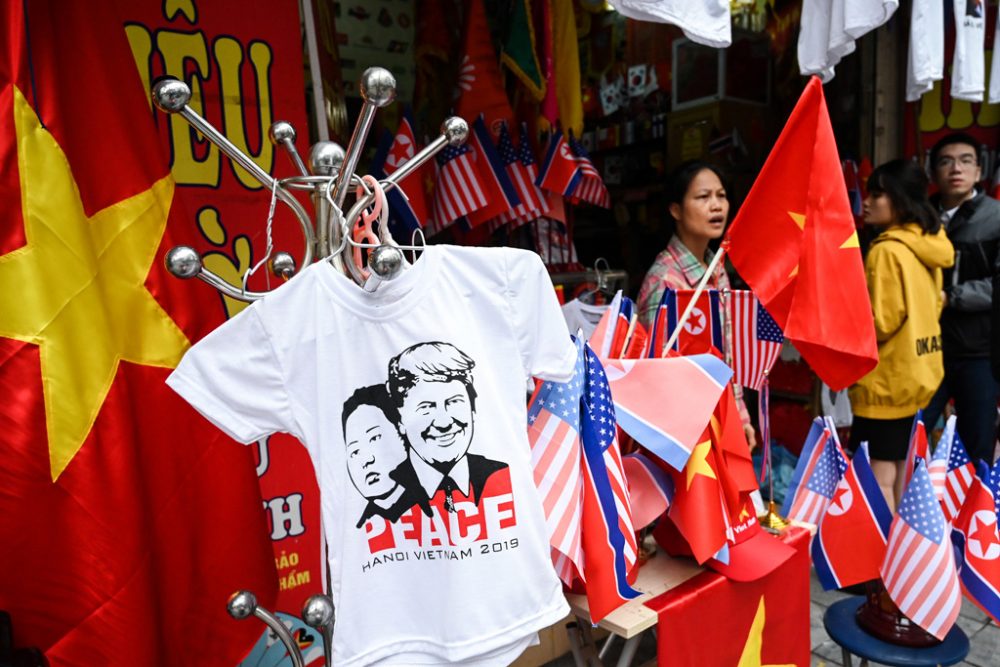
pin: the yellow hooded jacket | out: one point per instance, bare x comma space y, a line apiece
904, 272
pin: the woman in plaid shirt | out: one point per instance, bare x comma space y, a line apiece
698, 204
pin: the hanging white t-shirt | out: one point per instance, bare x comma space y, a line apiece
925, 63
829, 29
814, 39
968, 76
994, 92
410, 402
582, 316
707, 22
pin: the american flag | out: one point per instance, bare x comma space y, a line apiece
458, 191
919, 568
951, 471
993, 482
521, 169
756, 339
609, 543
591, 188
816, 476
579, 473
553, 431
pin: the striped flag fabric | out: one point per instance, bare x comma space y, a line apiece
976, 529
590, 188
554, 434
951, 471
851, 539
609, 543
919, 568
668, 423
497, 186
578, 470
756, 337
917, 449
702, 332
458, 192
602, 340
560, 172
650, 489
819, 470
994, 484
523, 174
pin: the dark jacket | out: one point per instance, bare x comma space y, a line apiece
974, 230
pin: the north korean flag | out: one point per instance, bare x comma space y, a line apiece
850, 542
975, 531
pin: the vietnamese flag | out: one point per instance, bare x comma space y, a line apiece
698, 510
795, 244
126, 519
480, 86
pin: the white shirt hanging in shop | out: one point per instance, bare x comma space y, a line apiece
968, 76
410, 402
994, 92
829, 29
583, 316
925, 62
707, 22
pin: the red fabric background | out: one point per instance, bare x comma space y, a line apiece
707, 619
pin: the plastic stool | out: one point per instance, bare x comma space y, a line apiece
842, 627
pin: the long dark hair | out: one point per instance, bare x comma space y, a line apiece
905, 183
681, 177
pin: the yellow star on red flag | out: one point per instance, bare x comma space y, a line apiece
751, 656
76, 289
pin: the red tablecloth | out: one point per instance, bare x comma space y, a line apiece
710, 620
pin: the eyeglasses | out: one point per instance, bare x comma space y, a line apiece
964, 161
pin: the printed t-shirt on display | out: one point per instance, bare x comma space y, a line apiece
925, 63
410, 401
968, 65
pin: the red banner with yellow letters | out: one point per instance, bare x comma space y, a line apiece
244, 62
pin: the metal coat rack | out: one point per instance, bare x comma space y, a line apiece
328, 235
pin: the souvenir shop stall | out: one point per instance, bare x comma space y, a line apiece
391, 248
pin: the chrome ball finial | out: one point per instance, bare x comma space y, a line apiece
317, 612
378, 86
455, 130
281, 131
183, 261
241, 605
170, 95
386, 261
325, 157
283, 265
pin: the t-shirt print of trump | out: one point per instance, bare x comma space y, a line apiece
410, 444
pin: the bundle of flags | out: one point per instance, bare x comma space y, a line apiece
817, 475
578, 471
756, 337
568, 171
942, 540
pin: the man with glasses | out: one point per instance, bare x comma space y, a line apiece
972, 221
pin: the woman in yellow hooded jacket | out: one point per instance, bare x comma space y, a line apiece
904, 271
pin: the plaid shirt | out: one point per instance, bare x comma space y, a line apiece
678, 268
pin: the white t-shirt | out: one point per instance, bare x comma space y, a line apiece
583, 316
968, 75
994, 92
925, 63
707, 22
829, 29
410, 401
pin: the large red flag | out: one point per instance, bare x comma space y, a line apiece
480, 86
126, 519
795, 244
